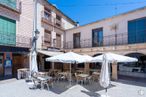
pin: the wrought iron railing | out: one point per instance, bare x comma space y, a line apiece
47, 16
13, 4
59, 23
13, 40
109, 40
55, 43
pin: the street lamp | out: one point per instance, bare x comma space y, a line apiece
37, 34
36, 31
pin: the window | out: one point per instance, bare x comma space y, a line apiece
76, 40
10, 3
97, 37
58, 40
47, 14
58, 20
47, 38
7, 31
58, 17
137, 31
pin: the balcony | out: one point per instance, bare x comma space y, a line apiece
12, 40
46, 42
58, 44
59, 23
110, 40
13, 5
47, 17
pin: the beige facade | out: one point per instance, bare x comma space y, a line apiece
52, 23
115, 39
109, 45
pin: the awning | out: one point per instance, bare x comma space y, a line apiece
49, 53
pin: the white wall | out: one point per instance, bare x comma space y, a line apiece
67, 24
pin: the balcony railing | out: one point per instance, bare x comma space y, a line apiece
12, 40
59, 23
12, 4
51, 44
46, 16
46, 42
110, 40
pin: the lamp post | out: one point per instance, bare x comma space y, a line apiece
35, 30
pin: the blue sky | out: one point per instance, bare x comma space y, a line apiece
87, 11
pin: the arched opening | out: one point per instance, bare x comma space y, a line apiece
97, 54
95, 67
134, 69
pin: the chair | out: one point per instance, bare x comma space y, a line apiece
50, 83
35, 80
89, 79
95, 76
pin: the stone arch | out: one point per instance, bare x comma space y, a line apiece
136, 55
141, 60
97, 54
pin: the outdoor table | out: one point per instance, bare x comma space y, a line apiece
42, 73
44, 81
79, 71
96, 73
63, 73
22, 73
82, 77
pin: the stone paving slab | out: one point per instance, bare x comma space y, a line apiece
121, 88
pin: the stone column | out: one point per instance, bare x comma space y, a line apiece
114, 71
41, 63
52, 66
86, 68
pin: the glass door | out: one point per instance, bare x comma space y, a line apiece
1, 67
8, 65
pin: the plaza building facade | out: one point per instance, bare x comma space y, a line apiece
15, 37
122, 34
16, 31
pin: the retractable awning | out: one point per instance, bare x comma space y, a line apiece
49, 53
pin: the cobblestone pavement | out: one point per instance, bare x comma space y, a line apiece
121, 88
